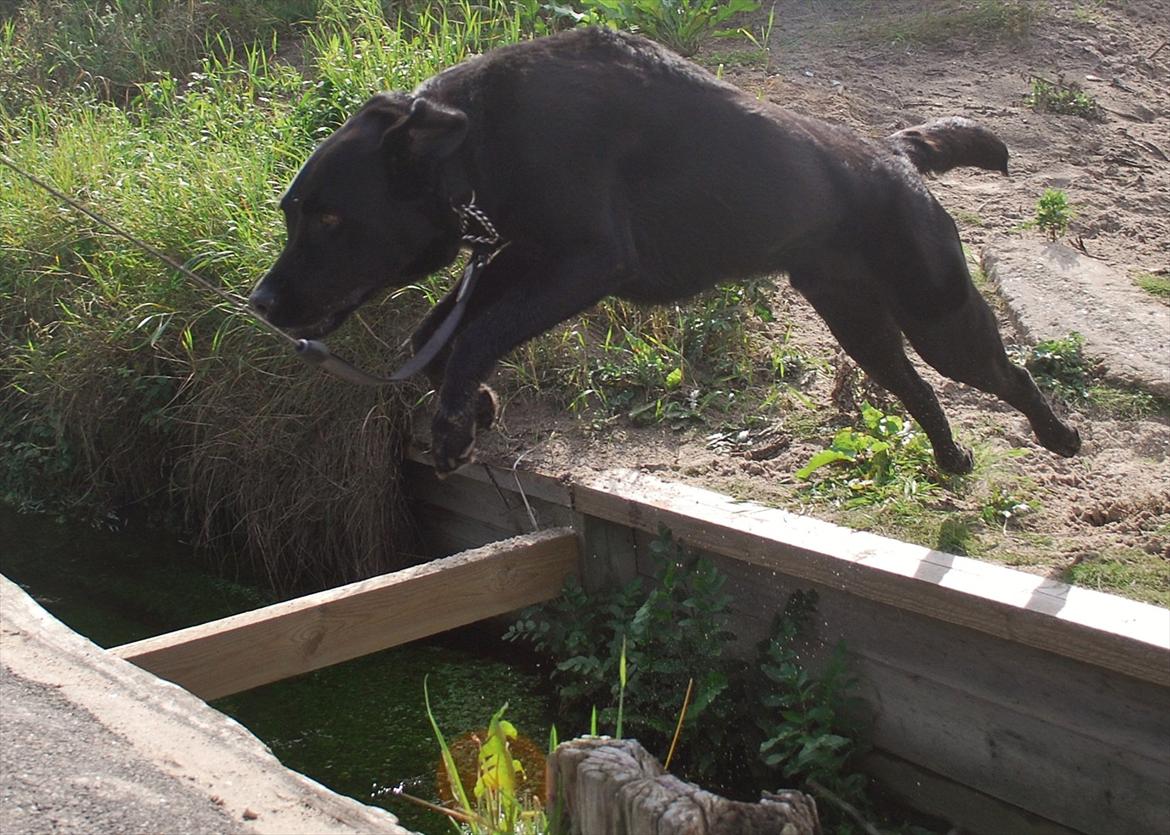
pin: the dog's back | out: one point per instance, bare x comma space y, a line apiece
710, 183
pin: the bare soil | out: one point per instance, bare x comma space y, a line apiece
1102, 518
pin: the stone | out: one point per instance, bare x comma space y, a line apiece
1052, 290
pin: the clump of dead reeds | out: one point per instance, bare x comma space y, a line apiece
298, 471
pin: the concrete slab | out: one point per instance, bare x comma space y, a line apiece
92, 744
1051, 290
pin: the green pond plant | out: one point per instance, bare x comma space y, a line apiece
735, 724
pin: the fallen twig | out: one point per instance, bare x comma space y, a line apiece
845, 806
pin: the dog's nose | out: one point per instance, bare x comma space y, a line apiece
262, 299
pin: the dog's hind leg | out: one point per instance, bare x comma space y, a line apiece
949, 324
865, 328
965, 345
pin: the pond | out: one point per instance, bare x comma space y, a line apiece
359, 728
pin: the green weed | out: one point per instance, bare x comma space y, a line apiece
99, 339
496, 805
110, 49
1132, 572
760, 39
1063, 98
1053, 213
674, 628
948, 20
1060, 365
1156, 284
1125, 403
1002, 507
886, 457
673, 631
955, 536
681, 25
966, 217
805, 721
666, 365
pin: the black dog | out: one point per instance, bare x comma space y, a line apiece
609, 166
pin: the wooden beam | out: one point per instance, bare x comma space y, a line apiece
246, 650
1100, 629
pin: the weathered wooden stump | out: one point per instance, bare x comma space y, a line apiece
614, 787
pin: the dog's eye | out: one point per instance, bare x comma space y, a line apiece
330, 221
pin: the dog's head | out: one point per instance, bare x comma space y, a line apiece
366, 212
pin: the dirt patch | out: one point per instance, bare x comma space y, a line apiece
864, 70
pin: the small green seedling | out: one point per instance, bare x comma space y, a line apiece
1002, 507
1053, 213
1062, 98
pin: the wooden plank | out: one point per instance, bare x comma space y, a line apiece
496, 503
1023, 728
969, 811
444, 532
1053, 772
608, 554
244, 651
534, 485
1101, 629
1099, 710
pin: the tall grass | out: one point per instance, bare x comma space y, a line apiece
109, 48
120, 380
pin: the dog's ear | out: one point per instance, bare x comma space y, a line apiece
428, 129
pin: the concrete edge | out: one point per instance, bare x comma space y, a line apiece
177, 732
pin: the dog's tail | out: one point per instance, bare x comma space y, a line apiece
944, 144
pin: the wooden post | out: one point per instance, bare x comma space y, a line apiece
614, 787
609, 554
246, 650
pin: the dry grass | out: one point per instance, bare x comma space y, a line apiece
301, 473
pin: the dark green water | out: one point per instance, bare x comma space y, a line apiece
359, 728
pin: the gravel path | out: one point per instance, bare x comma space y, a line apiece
62, 771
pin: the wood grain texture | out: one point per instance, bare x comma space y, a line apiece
276, 642
969, 811
1101, 629
614, 787
1022, 703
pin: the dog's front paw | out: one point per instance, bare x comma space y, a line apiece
1063, 440
452, 442
955, 459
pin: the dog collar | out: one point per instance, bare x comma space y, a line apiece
471, 215
484, 248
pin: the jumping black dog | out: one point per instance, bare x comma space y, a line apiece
608, 166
